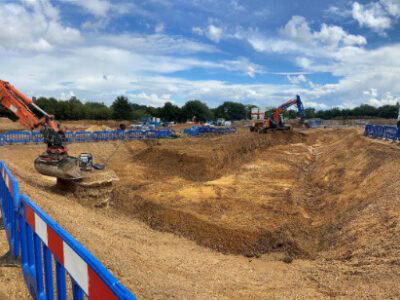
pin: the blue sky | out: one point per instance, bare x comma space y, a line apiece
332, 52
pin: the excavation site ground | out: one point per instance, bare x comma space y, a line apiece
300, 214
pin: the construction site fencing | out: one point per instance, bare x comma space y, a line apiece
48, 254
208, 130
382, 132
25, 137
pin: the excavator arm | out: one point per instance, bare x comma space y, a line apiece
18, 104
283, 107
55, 161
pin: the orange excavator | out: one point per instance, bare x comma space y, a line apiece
275, 120
55, 161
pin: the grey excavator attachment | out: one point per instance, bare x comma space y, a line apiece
63, 167
78, 169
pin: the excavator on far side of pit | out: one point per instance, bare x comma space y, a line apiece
275, 120
55, 161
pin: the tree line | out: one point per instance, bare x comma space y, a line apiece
123, 109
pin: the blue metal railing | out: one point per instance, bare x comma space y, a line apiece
383, 132
48, 254
24, 137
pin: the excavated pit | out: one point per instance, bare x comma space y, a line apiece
317, 193
252, 194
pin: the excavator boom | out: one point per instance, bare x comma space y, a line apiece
55, 161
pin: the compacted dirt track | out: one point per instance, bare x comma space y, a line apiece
284, 215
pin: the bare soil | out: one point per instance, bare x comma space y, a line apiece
284, 215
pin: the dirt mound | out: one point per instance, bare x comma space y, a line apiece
98, 128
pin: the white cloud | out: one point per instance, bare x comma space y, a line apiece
296, 79
373, 17
332, 50
99, 8
67, 95
159, 28
237, 6
212, 32
373, 98
297, 29
34, 26
392, 7
338, 11
303, 62
242, 64
297, 37
154, 43
150, 99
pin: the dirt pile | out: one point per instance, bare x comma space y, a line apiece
98, 128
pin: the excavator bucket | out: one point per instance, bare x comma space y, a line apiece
66, 168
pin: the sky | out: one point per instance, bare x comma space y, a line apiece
333, 53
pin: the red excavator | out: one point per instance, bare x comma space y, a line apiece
275, 120
55, 161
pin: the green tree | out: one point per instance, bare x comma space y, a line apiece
309, 113
198, 109
75, 109
170, 112
121, 109
97, 111
231, 111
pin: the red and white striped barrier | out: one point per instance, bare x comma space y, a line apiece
84, 275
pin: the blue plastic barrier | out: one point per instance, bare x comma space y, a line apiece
9, 193
18, 137
23, 137
382, 131
208, 130
48, 253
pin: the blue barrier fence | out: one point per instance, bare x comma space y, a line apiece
48, 254
383, 132
24, 137
208, 130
